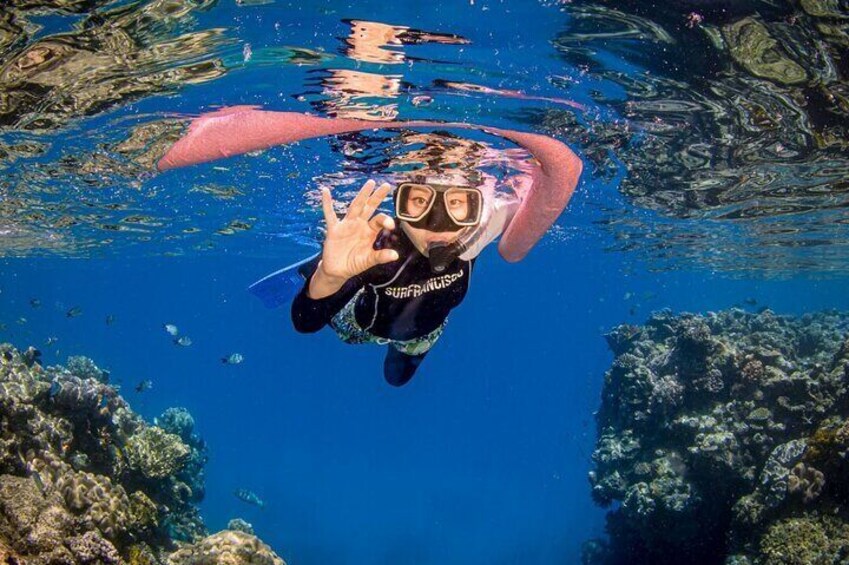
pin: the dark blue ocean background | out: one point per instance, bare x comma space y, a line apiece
483, 457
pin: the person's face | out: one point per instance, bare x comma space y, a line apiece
418, 200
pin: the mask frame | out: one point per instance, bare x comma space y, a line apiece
404, 188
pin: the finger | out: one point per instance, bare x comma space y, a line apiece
384, 256
380, 222
356, 207
375, 200
327, 205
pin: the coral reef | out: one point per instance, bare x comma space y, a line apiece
724, 438
229, 547
84, 479
85, 368
155, 453
240, 525
177, 421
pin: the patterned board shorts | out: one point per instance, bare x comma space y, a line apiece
346, 327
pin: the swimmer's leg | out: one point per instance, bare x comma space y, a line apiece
398, 367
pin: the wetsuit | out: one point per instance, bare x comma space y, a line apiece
401, 302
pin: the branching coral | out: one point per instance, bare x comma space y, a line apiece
155, 453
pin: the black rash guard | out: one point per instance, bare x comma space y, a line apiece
402, 300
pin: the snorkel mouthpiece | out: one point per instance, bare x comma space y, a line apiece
442, 254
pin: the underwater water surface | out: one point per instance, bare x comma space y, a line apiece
713, 136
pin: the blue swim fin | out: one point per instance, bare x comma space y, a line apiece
281, 287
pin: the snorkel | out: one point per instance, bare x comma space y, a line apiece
442, 254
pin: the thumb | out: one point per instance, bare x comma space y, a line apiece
384, 256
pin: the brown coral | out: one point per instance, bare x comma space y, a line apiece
226, 548
806, 481
31, 522
99, 501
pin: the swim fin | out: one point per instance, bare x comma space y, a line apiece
281, 287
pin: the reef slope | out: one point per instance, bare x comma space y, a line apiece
84, 479
724, 438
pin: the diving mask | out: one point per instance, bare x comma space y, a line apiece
438, 208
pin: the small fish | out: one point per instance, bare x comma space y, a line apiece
421, 101
74, 312
628, 296
35, 302
183, 341
233, 359
21, 321
40, 482
144, 385
248, 497
110, 319
171, 329
293, 175
51, 340
750, 302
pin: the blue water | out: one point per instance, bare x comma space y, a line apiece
483, 457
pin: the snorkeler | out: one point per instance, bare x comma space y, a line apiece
374, 283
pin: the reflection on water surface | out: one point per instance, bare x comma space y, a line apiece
723, 125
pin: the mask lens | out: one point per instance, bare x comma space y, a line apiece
463, 205
414, 201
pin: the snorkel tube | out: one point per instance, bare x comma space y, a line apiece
547, 188
441, 255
